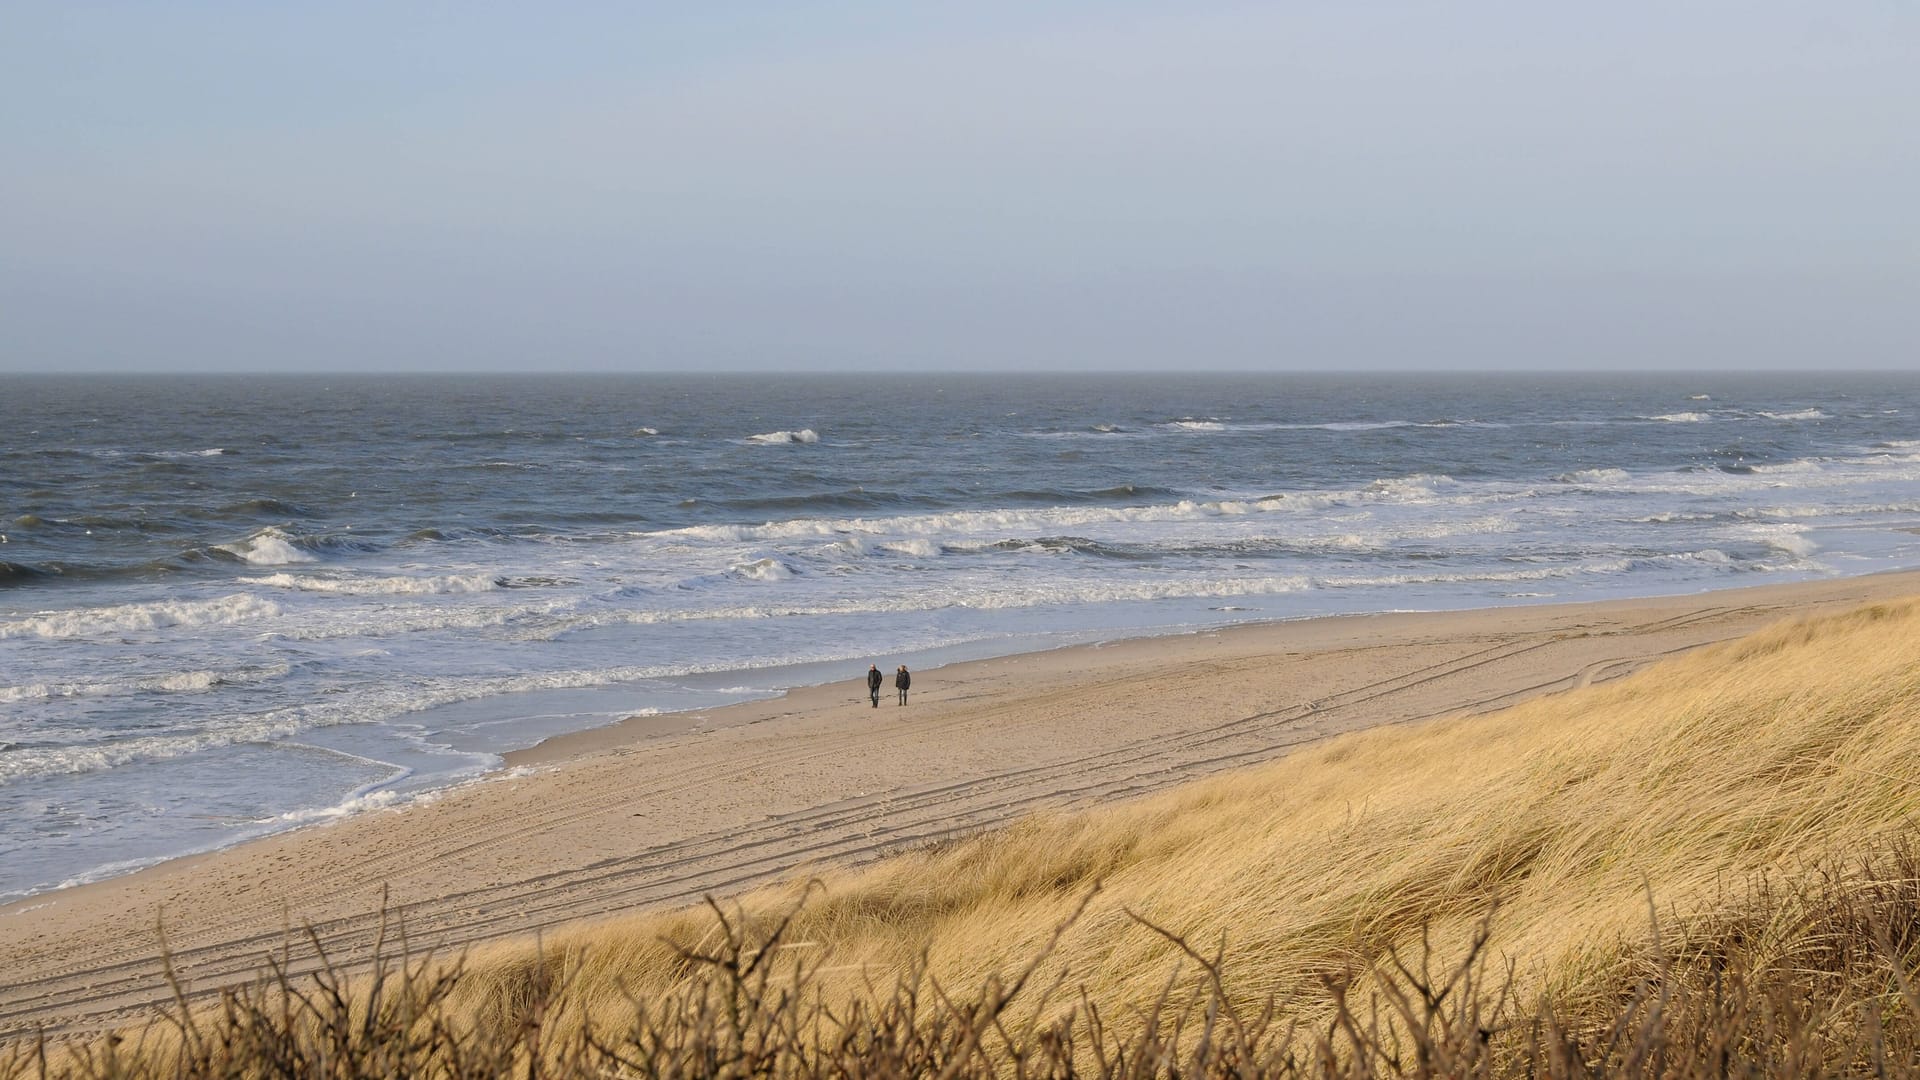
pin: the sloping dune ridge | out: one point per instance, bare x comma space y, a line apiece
1772, 755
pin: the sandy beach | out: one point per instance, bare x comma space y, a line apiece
663, 809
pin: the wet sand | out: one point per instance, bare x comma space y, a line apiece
663, 809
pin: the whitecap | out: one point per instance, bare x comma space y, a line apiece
269, 547
1798, 467
1374, 425
767, 569
919, 548
1592, 476
804, 435
1420, 488
1669, 516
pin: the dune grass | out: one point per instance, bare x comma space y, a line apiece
1715, 850
1688, 783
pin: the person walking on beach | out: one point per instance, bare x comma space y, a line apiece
902, 680
873, 683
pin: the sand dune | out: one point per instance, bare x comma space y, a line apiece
663, 810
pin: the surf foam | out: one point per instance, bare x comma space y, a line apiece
87, 622
384, 586
804, 435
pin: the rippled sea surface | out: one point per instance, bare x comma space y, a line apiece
232, 605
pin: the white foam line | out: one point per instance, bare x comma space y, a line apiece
401, 772
1415, 489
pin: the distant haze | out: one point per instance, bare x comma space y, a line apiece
205, 186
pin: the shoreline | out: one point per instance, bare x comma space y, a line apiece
657, 810
564, 746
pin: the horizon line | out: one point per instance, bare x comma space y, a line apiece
1026, 373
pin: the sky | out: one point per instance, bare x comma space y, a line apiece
982, 186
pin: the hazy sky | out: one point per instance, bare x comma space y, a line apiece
191, 186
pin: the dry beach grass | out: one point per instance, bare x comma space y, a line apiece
1760, 760
1704, 867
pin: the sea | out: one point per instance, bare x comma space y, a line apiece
231, 606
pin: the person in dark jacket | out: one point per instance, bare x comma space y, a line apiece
873, 683
902, 680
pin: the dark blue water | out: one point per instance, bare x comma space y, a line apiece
231, 605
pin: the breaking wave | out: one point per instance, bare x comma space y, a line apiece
384, 586
88, 622
268, 547
804, 435
1415, 489
273, 546
767, 569
372, 705
180, 682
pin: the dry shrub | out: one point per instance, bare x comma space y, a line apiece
1808, 979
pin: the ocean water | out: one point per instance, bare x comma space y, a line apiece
230, 606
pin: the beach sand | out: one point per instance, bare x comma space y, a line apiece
663, 809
